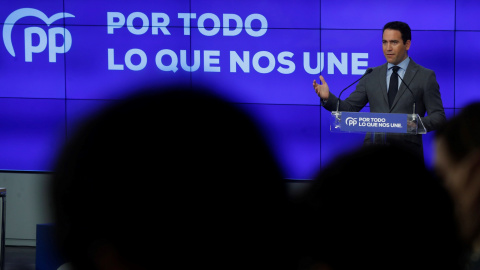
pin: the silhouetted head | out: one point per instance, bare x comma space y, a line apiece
171, 177
378, 208
457, 162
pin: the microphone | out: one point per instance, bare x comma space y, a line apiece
368, 71
414, 100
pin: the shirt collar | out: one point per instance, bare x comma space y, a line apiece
403, 65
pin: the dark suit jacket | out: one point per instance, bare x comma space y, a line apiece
372, 89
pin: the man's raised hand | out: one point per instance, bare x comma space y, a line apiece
322, 89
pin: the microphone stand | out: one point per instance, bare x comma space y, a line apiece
369, 70
414, 99
414, 115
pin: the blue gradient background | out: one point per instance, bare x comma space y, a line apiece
41, 103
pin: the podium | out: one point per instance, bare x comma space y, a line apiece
378, 124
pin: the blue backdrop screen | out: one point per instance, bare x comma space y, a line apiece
61, 61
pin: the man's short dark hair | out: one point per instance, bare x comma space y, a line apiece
402, 27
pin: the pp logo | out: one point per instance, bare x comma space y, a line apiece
350, 121
45, 38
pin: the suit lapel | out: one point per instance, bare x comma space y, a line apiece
383, 83
407, 78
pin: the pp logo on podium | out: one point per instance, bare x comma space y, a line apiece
350, 121
46, 39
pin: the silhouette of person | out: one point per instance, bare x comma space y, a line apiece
377, 208
172, 177
457, 162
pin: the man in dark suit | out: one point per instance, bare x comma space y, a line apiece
375, 88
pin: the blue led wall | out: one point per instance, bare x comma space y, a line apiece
63, 60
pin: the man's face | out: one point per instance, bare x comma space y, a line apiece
393, 48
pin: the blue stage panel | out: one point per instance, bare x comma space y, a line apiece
103, 66
420, 15
277, 14
31, 12
32, 130
467, 15
131, 13
277, 68
467, 83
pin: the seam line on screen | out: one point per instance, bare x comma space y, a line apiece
319, 102
454, 57
65, 78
